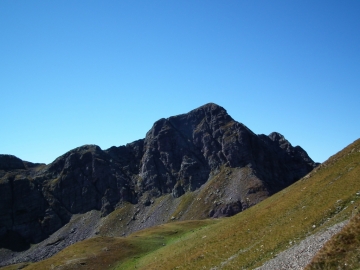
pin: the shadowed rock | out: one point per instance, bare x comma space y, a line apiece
9, 162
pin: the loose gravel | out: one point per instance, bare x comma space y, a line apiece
300, 255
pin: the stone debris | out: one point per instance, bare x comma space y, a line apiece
300, 255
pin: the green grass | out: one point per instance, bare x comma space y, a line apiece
114, 223
326, 196
116, 252
185, 202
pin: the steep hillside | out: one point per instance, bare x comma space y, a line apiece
192, 166
328, 195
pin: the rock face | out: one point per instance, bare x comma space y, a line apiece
179, 154
9, 162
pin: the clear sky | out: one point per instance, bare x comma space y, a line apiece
102, 72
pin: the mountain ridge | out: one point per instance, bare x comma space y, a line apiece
219, 164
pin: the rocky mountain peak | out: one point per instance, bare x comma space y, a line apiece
276, 137
204, 149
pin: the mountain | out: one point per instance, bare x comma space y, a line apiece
294, 219
192, 166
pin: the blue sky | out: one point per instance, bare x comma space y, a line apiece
102, 72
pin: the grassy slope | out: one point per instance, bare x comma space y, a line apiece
116, 252
326, 196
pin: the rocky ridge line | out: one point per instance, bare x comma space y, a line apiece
180, 154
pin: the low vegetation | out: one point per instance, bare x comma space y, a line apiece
328, 195
116, 252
